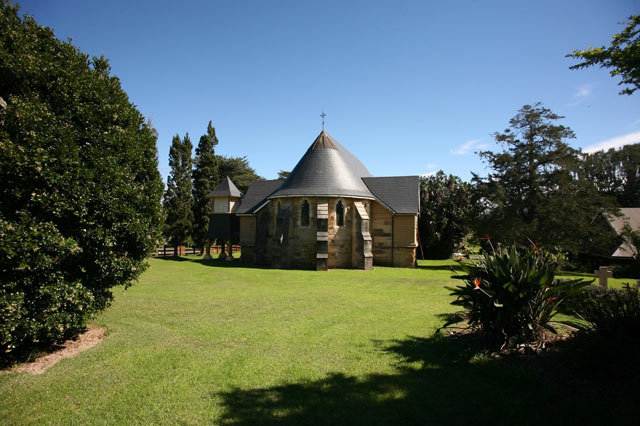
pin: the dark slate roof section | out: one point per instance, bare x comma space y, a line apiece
257, 195
226, 188
326, 169
400, 193
630, 216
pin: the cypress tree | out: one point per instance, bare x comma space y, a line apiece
205, 179
178, 201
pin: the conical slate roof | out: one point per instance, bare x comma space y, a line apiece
226, 188
326, 169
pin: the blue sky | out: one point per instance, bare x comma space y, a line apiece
410, 87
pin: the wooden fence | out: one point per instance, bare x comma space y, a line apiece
167, 251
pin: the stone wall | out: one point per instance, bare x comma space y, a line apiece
247, 254
285, 243
302, 239
405, 240
247, 230
381, 232
404, 257
247, 238
361, 254
263, 239
404, 231
340, 238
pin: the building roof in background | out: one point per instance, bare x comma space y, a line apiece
326, 169
401, 194
226, 188
630, 215
257, 195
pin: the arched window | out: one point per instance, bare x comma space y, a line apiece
304, 213
340, 213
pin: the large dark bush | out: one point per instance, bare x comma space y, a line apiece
80, 189
610, 313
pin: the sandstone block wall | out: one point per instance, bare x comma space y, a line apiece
247, 230
247, 254
302, 239
381, 228
405, 240
281, 240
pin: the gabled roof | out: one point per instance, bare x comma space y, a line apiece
630, 215
326, 169
257, 195
401, 194
226, 188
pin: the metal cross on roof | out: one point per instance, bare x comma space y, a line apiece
323, 115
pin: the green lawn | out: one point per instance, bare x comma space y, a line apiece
614, 282
214, 343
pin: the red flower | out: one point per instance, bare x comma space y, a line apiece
476, 283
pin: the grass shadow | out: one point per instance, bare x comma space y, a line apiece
236, 263
438, 381
593, 365
218, 263
436, 267
575, 274
173, 258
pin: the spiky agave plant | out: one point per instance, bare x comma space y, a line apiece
511, 294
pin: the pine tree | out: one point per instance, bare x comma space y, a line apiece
178, 201
205, 179
536, 191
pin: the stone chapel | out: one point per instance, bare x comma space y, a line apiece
329, 213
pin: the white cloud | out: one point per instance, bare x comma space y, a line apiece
431, 170
616, 142
468, 147
584, 91
581, 94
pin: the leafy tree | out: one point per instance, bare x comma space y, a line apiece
622, 57
616, 173
205, 179
536, 192
80, 195
178, 201
238, 170
445, 209
282, 174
